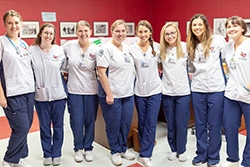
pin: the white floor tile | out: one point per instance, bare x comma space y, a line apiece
102, 155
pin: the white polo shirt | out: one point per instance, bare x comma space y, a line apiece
208, 76
148, 81
175, 80
81, 68
239, 76
18, 74
47, 69
120, 67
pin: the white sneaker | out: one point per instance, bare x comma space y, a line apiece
7, 164
182, 157
78, 156
128, 155
22, 163
47, 161
116, 159
89, 156
172, 156
56, 161
230, 164
146, 162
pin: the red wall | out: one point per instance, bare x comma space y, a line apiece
75, 10
156, 11
183, 10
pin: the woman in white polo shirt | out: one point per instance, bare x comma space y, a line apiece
175, 89
82, 88
237, 93
50, 95
16, 89
147, 88
116, 91
207, 86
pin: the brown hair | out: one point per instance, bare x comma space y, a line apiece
38, 39
237, 20
164, 44
148, 25
192, 40
11, 13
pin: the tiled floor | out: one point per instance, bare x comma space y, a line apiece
102, 155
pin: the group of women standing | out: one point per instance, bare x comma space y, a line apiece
32, 76
118, 76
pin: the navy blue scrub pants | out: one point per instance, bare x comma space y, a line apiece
118, 118
19, 113
148, 110
177, 113
233, 111
51, 115
208, 108
83, 111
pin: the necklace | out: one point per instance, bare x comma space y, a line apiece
83, 48
82, 53
171, 51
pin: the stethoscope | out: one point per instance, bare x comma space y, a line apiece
22, 45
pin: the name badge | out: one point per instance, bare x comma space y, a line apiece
127, 59
172, 59
145, 64
82, 64
232, 63
201, 58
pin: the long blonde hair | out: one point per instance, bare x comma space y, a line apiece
192, 40
164, 45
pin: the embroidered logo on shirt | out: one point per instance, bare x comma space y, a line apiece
212, 50
55, 57
100, 52
91, 55
243, 56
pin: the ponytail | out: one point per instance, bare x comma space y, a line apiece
151, 42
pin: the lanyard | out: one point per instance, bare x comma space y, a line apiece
22, 44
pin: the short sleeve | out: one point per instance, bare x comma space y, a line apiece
103, 57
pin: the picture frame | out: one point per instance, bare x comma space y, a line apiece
247, 21
187, 27
176, 23
67, 29
29, 29
219, 26
131, 28
100, 28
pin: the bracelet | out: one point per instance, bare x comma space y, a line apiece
246, 89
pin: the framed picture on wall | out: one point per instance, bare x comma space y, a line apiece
247, 21
176, 23
29, 29
131, 28
67, 29
187, 27
100, 28
219, 26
